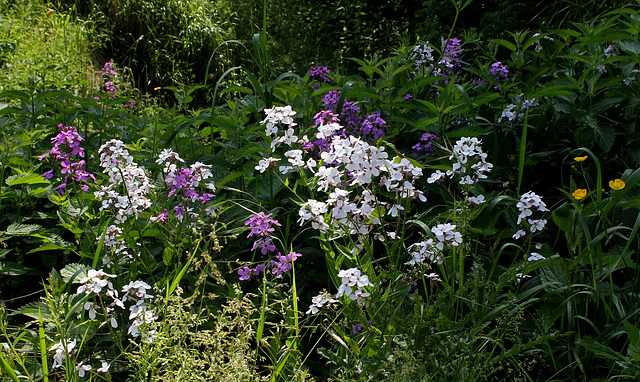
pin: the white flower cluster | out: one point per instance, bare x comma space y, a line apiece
432, 250
320, 301
65, 348
352, 283
122, 170
114, 241
364, 164
346, 160
62, 349
97, 283
514, 113
422, 54
528, 204
139, 312
280, 115
471, 163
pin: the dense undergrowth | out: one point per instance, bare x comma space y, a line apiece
464, 208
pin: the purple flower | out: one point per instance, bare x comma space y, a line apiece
108, 70
246, 273
47, 174
262, 227
330, 100
372, 126
425, 144
452, 53
284, 263
66, 144
319, 73
499, 70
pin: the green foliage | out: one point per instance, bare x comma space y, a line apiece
507, 301
43, 49
164, 42
197, 345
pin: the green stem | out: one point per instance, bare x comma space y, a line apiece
523, 149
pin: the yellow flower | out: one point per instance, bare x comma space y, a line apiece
158, 88
581, 159
617, 184
579, 193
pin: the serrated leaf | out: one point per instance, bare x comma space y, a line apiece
73, 272
33, 310
47, 247
562, 217
13, 269
634, 340
15, 180
167, 255
604, 137
629, 47
17, 229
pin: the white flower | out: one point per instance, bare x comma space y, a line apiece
319, 301
61, 348
104, 368
535, 257
82, 368
265, 163
433, 277
446, 235
436, 176
477, 200
393, 211
424, 250
519, 234
353, 279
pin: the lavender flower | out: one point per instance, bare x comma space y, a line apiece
66, 146
425, 144
500, 72
262, 226
319, 74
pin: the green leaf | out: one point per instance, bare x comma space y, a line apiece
629, 46
604, 137
73, 271
167, 255
551, 91
14, 269
17, 229
15, 180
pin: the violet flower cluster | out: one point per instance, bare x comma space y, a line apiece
425, 144
66, 147
500, 73
319, 74
261, 227
182, 181
109, 74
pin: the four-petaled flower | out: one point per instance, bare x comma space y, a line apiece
580, 193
